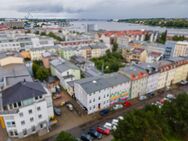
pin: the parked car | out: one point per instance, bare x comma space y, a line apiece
57, 111
170, 96
121, 118
92, 132
70, 106
184, 82
143, 97
128, 104
108, 125
150, 94
115, 122
103, 130
104, 112
86, 137
117, 106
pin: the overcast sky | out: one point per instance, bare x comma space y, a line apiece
100, 9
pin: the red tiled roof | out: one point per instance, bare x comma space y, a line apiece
138, 50
3, 27
155, 54
123, 33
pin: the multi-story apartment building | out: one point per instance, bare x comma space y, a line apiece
9, 45
65, 71
97, 93
135, 54
36, 53
92, 51
154, 57
12, 69
166, 74
138, 79
25, 109
175, 49
153, 75
180, 69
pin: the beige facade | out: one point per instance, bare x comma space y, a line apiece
181, 49
11, 60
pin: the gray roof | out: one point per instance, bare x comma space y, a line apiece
22, 91
6, 54
94, 84
149, 67
63, 65
128, 70
14, 73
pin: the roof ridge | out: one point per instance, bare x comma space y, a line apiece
33, 88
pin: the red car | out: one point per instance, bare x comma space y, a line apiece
103, 130
127, 104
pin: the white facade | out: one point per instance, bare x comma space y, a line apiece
10, 46
30, 117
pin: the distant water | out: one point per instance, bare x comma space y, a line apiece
128, 26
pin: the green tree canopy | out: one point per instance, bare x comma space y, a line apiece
64, 136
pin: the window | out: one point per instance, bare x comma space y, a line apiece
22, 122
89, 101
24, 132
38, 108
19, 104
31, 119
21, 114
40, 97
15, 105
30, 111
33, 128
11, 133
41, 125
16, 133
36, 98
99, 98
94, 107
40, 116
94, 100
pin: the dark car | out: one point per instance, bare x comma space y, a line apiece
150, 95
57, 111
86, 137
104, 112
95, 134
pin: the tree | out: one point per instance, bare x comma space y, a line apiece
35, 67
42, 73
64, 136
43, 33
142, 125
115, 47
176, 114
162, 38
178, 38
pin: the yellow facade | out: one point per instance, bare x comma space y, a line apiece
11, 60
2, 123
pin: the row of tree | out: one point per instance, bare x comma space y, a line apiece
53, 35
177, 23
155, 124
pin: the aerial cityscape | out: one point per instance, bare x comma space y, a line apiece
88, 70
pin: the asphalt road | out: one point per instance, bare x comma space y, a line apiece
77, 131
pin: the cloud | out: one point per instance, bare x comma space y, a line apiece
95, 8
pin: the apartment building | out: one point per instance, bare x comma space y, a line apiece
154, 57
65, 71
12, 69
26, 108
97, 93
135, 54
138, 77
175, 49
9, 45
91, 51
153, 75
180, 68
